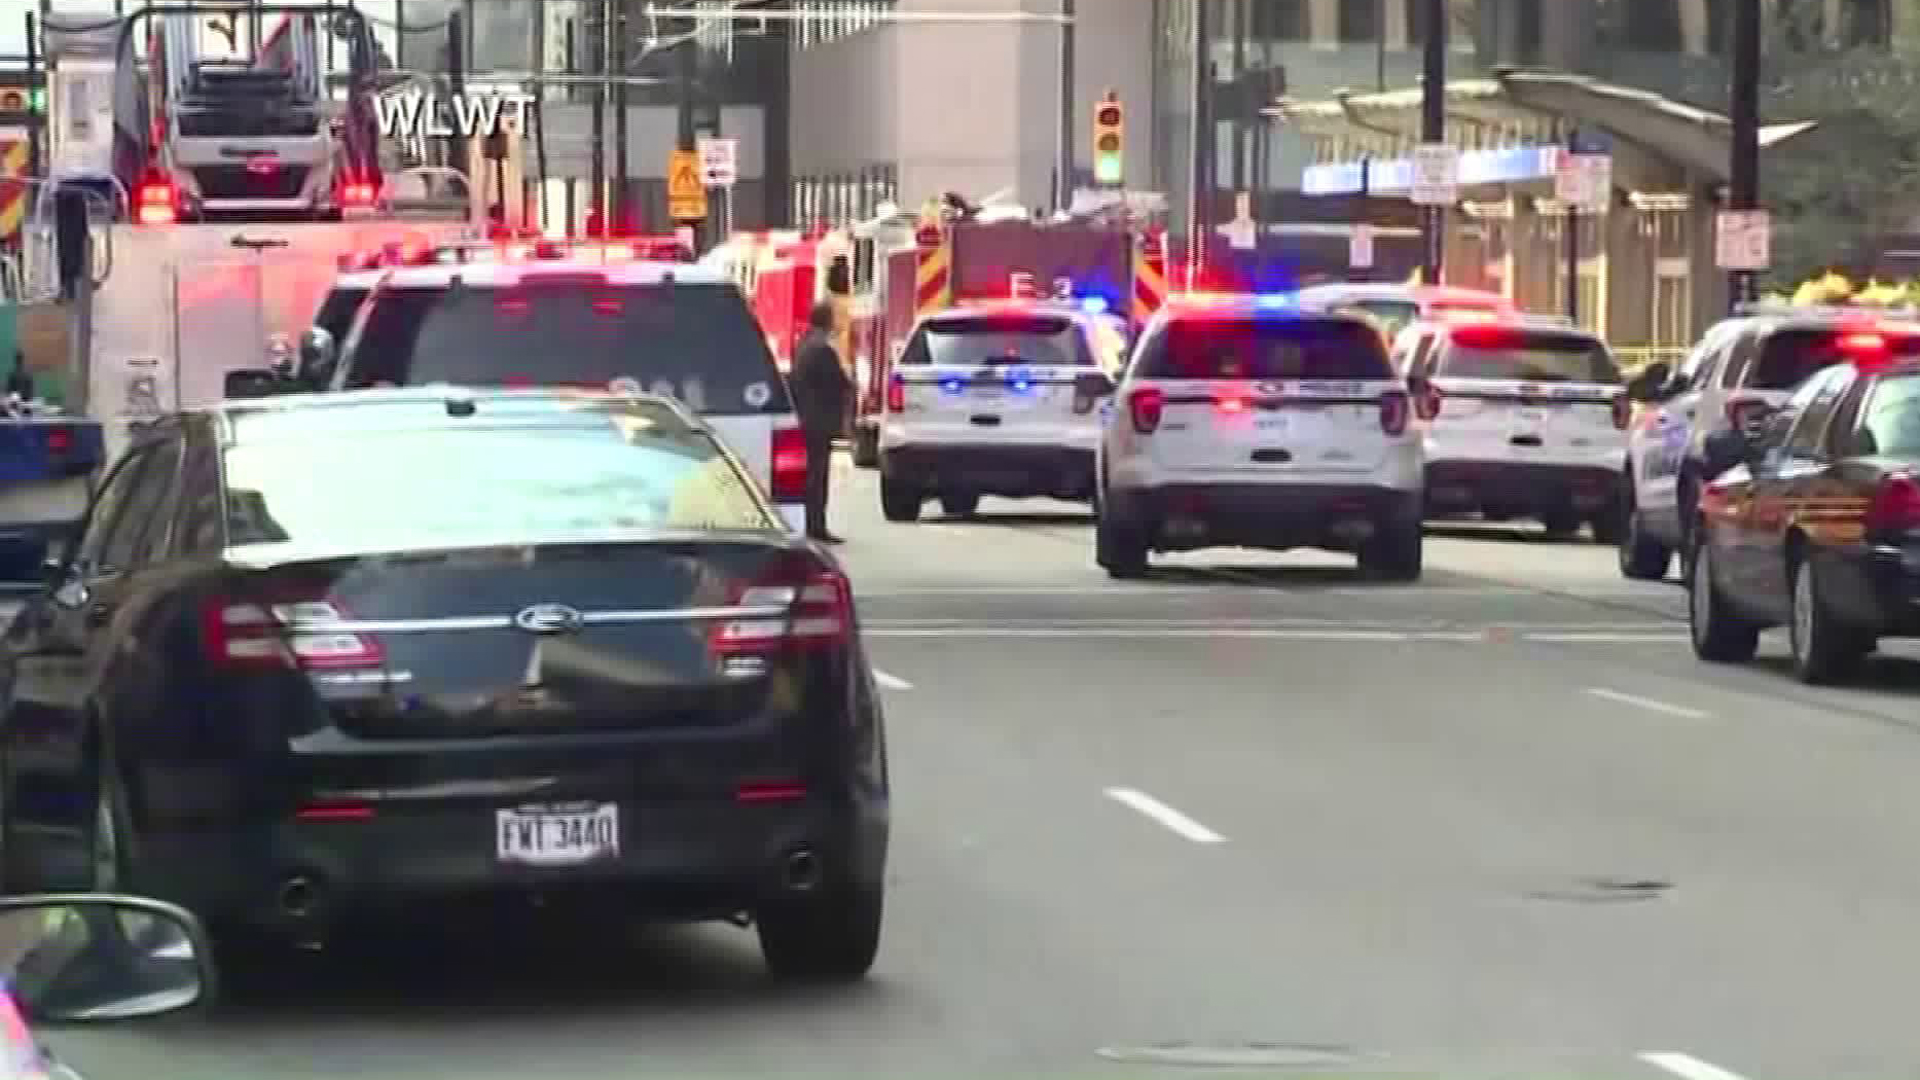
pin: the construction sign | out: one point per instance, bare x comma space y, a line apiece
686, 191
15, 193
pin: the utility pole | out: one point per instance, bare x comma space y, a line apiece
37, 84
1743, 168
1200, 192
685, 140
1433, 128
457, 83
597, 159
1064, 174
620, 223
1570, 224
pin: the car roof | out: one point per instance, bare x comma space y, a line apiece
438, 406
1386, 290
357, 279
1188, 307
1820, 316
483, 275
1078, 316
1525, 320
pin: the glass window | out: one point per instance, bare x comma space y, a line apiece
201, 526
1252, 348
1527, 356
1041, 340
620, 471
1812, 409
337, 310
105, 516
1890, 420
697, 342
151, 511
1789, 356
1394, 315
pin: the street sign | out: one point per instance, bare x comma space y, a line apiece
1583, 181
1360, 247
719, 162
1743, 240
1436, 174
686, 195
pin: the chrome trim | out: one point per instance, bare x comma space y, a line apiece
506, 622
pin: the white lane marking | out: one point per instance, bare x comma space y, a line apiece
988, 633
1174, 820
891, 682
1096, 591
1688, 1067
1649, 704
1606, 639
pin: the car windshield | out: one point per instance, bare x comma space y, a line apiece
1789, 357
337, 310
1266, 348
1393, 315
696, 342
1527, 356
999, 339
1891, 419
438, 485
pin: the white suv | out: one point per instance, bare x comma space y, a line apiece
1250, 422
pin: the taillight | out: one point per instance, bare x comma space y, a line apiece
802, 604
1622, 411
289, 634
1144, 406
156, 203
357, 194
1426, 402
59, 440
1230, 403
897, 395
1740, 410
789, 465
1896, 505
1395, 408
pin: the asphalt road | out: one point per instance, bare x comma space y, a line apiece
1253, 810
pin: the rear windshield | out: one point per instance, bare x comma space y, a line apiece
698, 343
1248, 348
337, 310
1891, 420
1531, 357
1394, 315
1789, 356
1002, 339
450, 486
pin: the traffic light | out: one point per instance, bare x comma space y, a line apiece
1109, 125
19, 97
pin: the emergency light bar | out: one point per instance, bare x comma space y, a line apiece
1788, 308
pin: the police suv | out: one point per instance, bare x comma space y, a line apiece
1743, 367
1254, 422
1001, 399
1525, 417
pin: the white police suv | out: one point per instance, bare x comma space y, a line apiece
1526, 417
1254, 422
1000, 399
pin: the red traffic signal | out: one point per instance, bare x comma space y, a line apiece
1108, 115
13, 100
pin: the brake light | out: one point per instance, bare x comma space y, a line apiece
156, 203
897, 395
1622, 411
616, 253
1863, 343
1145, 407
789, 470
1740, 411
802, 604
1231, 404
285, 634
357, 194
1395, 409
59, 440
1896, 505
1426, 403
1486, 336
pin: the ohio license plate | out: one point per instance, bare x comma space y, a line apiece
557, 836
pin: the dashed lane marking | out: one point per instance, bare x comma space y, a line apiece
1688, 1067
1174, 821
890, 682
1647, 703
1490, 635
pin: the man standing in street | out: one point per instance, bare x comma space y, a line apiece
821, 394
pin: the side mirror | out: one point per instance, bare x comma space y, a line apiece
75, 959
1093, 384
1651, 383
252, 383
318, 353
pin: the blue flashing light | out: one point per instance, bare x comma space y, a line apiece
952, 386
1094, 305
1021, 384
1275, 301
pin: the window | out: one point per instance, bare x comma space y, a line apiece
1528, 357
1044, 340
622, 470
1812, 408
105, 516
1394, 315
151, 510
1249, 348
697, 342
1890, 420
337, 310
1360, 23
1788, 357
201, 526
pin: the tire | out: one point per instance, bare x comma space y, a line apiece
866, 446
1394, 553
1825, 650
1121, 550
959, 505
830, 937
1561, 524
1719, 634
1642, 557
899, 502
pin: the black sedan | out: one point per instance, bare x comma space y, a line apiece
1816, 523
318, 654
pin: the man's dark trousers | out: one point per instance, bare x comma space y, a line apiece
819, 475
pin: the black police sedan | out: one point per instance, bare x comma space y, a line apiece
1815, 523
312, 653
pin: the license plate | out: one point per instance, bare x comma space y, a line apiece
991, 393
553, 836
1271, 424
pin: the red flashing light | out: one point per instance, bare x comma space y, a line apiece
1145, 406
1896, 505
156, 203
59, 440
1231, 404
789, 471
1486, 336
1863, 343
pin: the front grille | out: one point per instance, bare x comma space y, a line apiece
240, 182
242, 122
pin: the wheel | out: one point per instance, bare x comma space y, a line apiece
1121, 550
866, 446
1824, 649
829, 937
959, 504
1720, 635
1561, 524
1642, 557
898, 501
1393, 553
